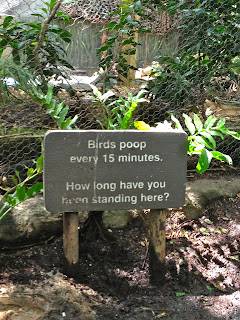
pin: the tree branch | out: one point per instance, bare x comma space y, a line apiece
44, 30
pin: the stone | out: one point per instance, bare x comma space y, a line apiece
30, 221
200, 192
54, 298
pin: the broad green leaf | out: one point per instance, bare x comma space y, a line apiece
49, 94
7, 21
128, 41
62, 115
74, 119
127, 117
221, 123
177, 123
205, 231
21, 193
189, 124
197, 122
202, 141
52, 4
18, 176
216, 133
35, 189
210, 122
111, 25
57, 109
118, 116
51, 107
39, 164
65, 125
12, 199
221, 157
210, 139
210, 288
122, 109
14, 179
180, 294
208, 221
4, 210
30, 172
233, 134
204, 161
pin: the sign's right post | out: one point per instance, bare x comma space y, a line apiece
157, 245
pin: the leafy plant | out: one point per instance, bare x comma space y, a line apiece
57, 110
36, 53
208, 50
180, 80
180, 294
117, 115
201, 139
121, 42
37, 46
19, 192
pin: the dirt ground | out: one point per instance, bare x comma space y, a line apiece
202, 273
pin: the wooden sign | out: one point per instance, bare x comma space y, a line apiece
109, 170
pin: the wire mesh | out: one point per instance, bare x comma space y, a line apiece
23, 122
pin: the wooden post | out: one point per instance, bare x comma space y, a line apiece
157, 246
70, 240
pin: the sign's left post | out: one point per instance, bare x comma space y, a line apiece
70, 240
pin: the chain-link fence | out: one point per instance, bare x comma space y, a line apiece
188, 62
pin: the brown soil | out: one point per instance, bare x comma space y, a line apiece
112, 282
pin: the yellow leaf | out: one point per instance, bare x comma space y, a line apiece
197, 273
219, 285
163, 314
146, 308
236, 257
141, 125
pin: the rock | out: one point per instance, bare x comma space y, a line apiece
30, 221
54, 298
201, 192
116, 219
